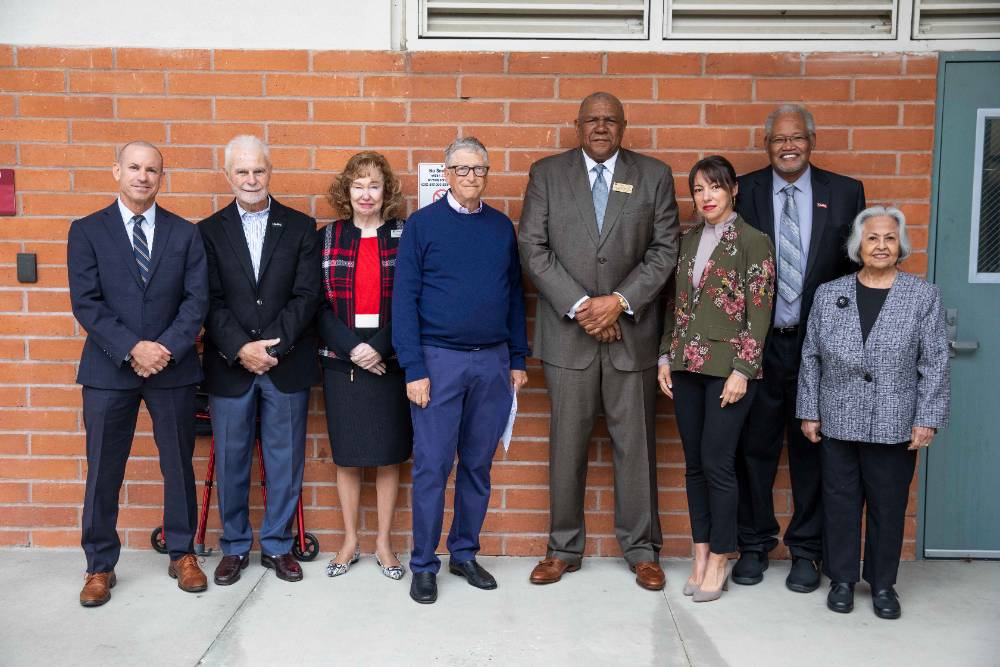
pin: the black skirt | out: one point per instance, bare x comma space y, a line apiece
367, 416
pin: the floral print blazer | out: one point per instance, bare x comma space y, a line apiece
720, 325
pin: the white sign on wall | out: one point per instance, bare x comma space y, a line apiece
432, 186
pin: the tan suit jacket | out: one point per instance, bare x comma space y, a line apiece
566, 258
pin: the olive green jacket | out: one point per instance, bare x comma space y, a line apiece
721, 325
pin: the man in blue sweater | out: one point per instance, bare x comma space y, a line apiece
459, 332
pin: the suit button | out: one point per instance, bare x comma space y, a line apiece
602, 260
868, 377
254, 332
260, 302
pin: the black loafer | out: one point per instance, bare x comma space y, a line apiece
886, 604
841, 597
423, 587
804, 576
474, 574
749, 569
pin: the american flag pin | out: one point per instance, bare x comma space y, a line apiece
820, 204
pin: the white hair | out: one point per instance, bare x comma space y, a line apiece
465, 144
858, 227
788, 109
249, 142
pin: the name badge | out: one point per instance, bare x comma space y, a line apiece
622, 187
395, 233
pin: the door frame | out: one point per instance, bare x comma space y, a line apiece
943, 60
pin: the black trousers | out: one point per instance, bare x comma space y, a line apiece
874, 476
109, 416
709, 434
771, 419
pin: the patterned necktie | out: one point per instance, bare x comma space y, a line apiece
140, 247
600, 194
789, 249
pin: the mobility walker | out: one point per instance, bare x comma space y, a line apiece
305, 545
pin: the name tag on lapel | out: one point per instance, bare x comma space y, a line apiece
395, 233
622, 187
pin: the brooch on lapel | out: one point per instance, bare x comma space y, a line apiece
842, 302
622, 187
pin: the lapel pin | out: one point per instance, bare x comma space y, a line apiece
276, 224
820, 204
622, 187
842, 302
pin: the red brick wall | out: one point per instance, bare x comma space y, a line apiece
63, 110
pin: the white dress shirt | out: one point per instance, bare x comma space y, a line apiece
254, 229
149, 226
459, 208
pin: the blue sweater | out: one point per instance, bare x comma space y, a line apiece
457, 286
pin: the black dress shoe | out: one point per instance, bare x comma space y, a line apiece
285, 566
841, 597
886, 603
423, 587
804, 576
228, 570
749, 569
474, 574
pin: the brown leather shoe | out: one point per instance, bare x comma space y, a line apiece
551, 570
97, 588
188, 574
285, 566
228, 570
650, 576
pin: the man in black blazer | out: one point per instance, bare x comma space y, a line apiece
807, 212
260, 355
138, 285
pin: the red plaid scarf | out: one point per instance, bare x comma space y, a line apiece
341, 241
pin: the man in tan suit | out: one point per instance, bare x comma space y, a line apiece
599, 239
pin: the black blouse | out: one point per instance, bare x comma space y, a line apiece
870, 301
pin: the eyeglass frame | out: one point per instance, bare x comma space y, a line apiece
795, 140
473, 168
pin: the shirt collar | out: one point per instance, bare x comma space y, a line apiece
458, 207
803, 183
722, 227
609, 163
264, 212
127, 215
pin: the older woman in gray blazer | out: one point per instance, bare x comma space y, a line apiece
873, 388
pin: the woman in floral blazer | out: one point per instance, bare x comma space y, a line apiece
710, 354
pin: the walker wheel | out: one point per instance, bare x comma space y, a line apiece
158, 541
311, 550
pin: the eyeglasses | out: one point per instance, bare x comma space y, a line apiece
797, 139
464, 169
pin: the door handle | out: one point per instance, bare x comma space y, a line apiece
956, 346
963, 346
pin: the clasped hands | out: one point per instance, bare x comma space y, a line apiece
598, 316
254, 357
148, 358
368, 358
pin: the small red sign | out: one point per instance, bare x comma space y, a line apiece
8, 204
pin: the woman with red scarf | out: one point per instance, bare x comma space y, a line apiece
367, 413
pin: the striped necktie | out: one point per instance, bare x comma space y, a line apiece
600, 195
789, 249
140, 248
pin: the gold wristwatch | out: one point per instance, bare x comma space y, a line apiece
622, 302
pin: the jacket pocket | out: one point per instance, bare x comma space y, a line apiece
721, 332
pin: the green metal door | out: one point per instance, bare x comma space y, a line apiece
962, 473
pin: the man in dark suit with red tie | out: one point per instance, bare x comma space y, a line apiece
138, 284
260, 355
807, 212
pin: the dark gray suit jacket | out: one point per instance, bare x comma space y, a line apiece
875, 391
635, 254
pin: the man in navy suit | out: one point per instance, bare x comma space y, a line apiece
807, 212
139, 286
260, 355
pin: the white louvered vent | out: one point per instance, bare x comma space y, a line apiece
956, 19
780, 19
558, 19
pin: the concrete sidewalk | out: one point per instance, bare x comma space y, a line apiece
597, 616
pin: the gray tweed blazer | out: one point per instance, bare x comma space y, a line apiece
877, 391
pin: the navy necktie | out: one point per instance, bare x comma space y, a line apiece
140, 248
